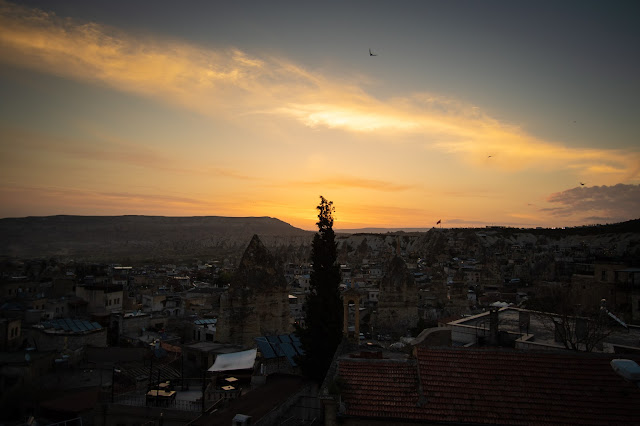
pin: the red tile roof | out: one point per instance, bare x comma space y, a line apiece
490, 387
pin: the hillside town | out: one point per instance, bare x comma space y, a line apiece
449, 326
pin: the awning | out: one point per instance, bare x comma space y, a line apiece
235, 361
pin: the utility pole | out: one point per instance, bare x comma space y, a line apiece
158, 388
204, 377
150, 372
113, 381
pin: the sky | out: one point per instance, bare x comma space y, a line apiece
472, 113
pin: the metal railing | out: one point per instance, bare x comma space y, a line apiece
138, 400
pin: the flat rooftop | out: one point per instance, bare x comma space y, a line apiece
509, 320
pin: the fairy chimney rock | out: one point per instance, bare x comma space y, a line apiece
398, 299
257, 302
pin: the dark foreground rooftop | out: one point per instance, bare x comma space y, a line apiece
256, 403
489, 387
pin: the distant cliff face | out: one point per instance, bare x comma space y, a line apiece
140, 237
621, 240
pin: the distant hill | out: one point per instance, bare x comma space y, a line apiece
140, 237
157, 238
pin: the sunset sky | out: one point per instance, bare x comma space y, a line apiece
473, 112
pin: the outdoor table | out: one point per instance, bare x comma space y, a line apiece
161, 396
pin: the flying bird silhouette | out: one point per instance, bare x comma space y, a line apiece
371, 53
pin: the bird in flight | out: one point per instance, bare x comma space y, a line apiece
371, 53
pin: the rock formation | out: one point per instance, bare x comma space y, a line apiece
398, 300
257, 303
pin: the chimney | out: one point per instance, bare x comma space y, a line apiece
493, 326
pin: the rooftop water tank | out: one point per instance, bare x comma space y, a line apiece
627, 368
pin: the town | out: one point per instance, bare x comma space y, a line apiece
162, 264
213, 341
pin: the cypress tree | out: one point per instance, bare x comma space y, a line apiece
323, 307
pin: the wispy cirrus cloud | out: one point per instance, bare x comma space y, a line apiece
48, 200
358, 183
103, 149
607, 203
90, 199
232, 83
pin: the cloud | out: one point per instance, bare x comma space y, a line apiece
359, 183
233, 84
103, 148
606, 203
46, 200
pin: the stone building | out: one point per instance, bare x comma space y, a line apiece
257, 302
398, 300
65, 334
10, 333
101, 298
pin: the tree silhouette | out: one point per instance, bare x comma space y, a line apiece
322, 331
576, 327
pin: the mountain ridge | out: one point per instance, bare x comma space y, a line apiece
135, 236
140, 237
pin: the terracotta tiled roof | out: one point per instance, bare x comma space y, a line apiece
379, 388
490, 387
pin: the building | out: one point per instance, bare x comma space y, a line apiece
530, 330
101, 298
65, 334
10, 334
